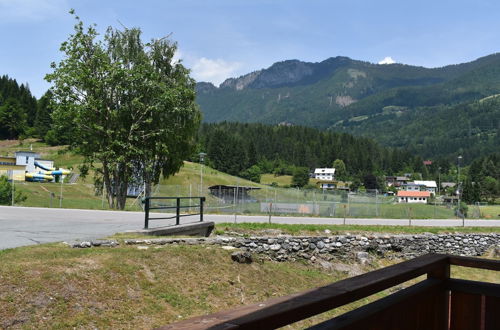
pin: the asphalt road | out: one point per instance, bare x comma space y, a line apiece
20, 226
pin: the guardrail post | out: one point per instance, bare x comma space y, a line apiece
177, 211
202, 200
146, 212
442, 272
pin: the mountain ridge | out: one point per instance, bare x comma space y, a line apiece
351, 96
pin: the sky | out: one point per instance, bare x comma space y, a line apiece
219, 39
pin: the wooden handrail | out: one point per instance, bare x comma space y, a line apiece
474, 262
285, 310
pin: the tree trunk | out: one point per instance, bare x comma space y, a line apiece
108, 184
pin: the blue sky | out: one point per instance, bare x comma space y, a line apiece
219, 39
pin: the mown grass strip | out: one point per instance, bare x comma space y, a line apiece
294, 229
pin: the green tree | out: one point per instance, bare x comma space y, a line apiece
12, 119
43, 119
6, 192
340, 169
300, 177
252, 173
130, 105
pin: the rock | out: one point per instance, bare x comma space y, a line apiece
83, 245
326, 265
362, 257
275, 247
320, 245
228, 247
328, 231
242, 257
141, 247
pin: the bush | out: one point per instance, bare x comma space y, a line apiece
300, 177
6, 192
253, 173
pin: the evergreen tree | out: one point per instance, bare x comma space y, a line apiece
12, 119
300, 177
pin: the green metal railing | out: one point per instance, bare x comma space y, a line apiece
148, 207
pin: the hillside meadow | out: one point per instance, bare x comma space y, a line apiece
53, 286
187, 181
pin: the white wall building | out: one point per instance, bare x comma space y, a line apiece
324, 174
407, 196
429, 186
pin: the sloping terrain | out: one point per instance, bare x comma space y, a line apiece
387, 102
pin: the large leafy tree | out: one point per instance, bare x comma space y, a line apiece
129, 105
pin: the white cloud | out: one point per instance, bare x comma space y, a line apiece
31, 10
387, 60
214, 71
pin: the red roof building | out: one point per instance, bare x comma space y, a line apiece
407, 196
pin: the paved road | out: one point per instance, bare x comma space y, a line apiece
20, 226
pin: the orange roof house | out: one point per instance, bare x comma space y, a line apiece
411, 196
405, 193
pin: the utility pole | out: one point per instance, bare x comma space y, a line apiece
439, 180
61, 197
202, 162
13, 191
458, 183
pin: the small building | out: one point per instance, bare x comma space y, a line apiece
411, 186
324, 174
405, 196
429, 186
396, 181
446, 185
229, 194
326, 185
11, 170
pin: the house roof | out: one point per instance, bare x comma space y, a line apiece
405, 193
428, 184
324, 171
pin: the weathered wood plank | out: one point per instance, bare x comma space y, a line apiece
416, 307
465, 311
289, 309
475, 262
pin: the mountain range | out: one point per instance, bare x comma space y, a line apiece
435, 112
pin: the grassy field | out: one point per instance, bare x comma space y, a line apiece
53, 286
305, 229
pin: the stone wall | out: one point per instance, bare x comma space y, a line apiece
283, 248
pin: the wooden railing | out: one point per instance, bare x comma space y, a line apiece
438, 302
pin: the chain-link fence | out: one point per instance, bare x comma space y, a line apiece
239, 200
236, 200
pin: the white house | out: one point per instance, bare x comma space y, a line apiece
324, 174
429, 186
406, 196
411, 186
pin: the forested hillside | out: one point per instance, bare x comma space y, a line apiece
235, 147
434, 112
21, 115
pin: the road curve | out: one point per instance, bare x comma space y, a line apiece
21, 226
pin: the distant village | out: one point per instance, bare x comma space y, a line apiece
404, 189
